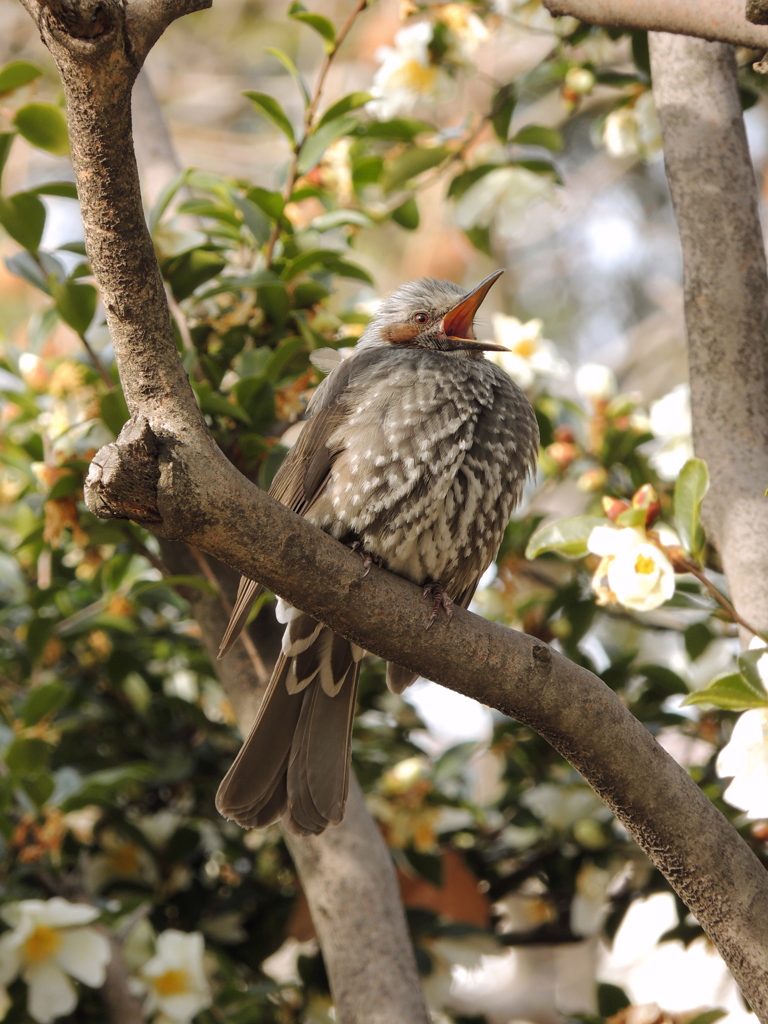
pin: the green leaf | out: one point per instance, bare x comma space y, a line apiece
611, 999
338, 218
692, 484
292, 70
315, 145
45, 126
192, 269
44, 700
75, 303
16, 74
70, 483
6, 141
269, 106
503, 107
214, 404
631, 517
316, 21
466, 179
410, 164
27, 756
114, 411
271, 203
407, 215
402, 129
353, 101
164, 198
23, 217
255, 219
38, 788
65, 189
568, 537
708, 1016
538, 135
748, 666
730, 691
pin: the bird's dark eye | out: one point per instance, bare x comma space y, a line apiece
421, 318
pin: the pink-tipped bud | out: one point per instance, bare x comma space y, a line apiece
613, 507
647, 498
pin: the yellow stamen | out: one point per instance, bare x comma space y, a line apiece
172, 983
414, 76
645, 565
525, 348
42, 944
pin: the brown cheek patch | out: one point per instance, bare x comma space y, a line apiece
401, 334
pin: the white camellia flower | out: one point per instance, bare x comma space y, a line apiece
48, 945
633, 130
501, 199
670, 422
407, 77
174, 979
530, 354
633, 571
590, 904
745, 758
595, 382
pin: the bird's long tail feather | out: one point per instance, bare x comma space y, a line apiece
295, 762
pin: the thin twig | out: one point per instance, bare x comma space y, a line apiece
721, 599
309, 117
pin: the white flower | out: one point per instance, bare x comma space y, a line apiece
407, 77
590, 904
745, 760
530, 354
466, 33
174, 979
48, 945
502, 198
633, 130
561, 807
595, 382
670, 421
633, 571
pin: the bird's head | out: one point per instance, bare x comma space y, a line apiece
431, 314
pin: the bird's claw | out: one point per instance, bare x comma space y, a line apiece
368, 557
440, 599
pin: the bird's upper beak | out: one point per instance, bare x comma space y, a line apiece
457, 322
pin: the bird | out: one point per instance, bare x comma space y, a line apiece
415, 451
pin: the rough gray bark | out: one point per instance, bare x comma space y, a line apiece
710, 19
201, 499
726, 300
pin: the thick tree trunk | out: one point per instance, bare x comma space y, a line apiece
726, 300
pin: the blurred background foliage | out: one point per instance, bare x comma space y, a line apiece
485, 135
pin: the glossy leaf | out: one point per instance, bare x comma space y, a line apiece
538, 135
503, 107
748, 666
567, 537
692, 484
45, 126
271, 203
269, 106
23, 217
27, 755
407, 215
75, 303
6, 141
315, 145
292, 70
343, 106
44, 700
321, 25
410, 164
731, 692
17, 73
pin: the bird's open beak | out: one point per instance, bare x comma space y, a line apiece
457, 322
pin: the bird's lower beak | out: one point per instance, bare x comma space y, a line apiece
457, 322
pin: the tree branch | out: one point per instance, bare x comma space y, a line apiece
726, 301
710, 19
203, 500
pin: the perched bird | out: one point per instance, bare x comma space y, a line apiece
416, 449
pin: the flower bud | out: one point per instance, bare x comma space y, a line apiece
613, 507
579, 80
647, 498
